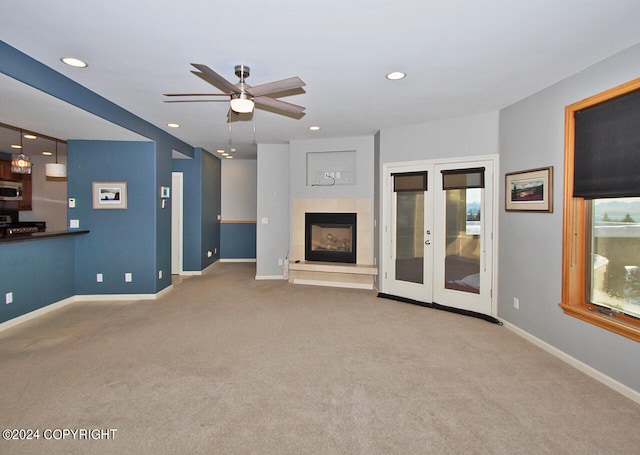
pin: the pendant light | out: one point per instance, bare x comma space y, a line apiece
20, 163
55, 169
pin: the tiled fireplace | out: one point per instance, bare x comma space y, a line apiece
330, 237
340, 251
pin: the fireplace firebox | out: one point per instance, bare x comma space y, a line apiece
330, 237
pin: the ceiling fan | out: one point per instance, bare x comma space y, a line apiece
243, 97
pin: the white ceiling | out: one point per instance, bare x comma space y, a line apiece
460, 56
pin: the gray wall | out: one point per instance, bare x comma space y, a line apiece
273, 203
532, 135
450, 138
239, 189
363, 187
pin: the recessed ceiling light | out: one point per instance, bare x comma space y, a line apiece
47, 153
314, 128
16, 146
173, 125
220, 151
232, 150
30, 136
394, 76
75, 62
229, 157
225, 154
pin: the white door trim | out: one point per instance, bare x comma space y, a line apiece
177, 223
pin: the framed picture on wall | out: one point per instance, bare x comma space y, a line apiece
529, 191
110, 195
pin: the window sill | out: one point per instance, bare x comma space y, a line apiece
620, 324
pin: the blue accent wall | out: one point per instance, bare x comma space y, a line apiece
211, 207
202, 202
163, 215
121, 241
39, 273
238, 240
192, 210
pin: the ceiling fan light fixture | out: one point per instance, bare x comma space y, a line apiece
241, 103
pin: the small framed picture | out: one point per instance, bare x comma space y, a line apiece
110, 195
529, 191
165, 192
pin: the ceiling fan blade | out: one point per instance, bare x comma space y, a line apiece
196, 94
276, 86
233, 116
195, 101
278, 104
214, 78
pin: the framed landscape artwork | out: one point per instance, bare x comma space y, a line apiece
110, 195
529, 191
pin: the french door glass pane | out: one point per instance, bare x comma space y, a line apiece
615, 258
463, 231
410, 236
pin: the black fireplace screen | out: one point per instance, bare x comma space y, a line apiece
330, 237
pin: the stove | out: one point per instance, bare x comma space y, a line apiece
8, 228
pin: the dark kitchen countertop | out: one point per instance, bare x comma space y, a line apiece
40, 236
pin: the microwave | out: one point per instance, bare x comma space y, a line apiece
10, 191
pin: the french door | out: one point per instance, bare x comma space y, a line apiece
438, 232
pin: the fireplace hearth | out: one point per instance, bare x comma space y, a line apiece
330, 237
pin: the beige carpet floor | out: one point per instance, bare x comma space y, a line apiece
224, 364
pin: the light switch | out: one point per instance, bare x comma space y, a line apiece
265, 220
74, 224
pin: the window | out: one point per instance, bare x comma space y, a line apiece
601, 232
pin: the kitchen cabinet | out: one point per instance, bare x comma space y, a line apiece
27, 187
5, 172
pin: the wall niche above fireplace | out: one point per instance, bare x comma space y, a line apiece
331, 237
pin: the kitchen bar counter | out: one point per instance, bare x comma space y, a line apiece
40, 236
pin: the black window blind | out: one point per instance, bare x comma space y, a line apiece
607, 149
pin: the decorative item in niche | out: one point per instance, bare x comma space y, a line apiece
110, 195
331, 168
529, 191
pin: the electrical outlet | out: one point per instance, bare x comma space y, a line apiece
516, 303
209, 254
128, 277
159, 274
215, 250
280, 261
99, 277
8, 298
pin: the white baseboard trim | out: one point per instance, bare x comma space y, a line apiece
237, 260
270, 277
334, 284
200, 272
35, 313
588, 370
80, 298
